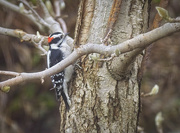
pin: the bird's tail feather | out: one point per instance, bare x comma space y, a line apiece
59, 92
66, 100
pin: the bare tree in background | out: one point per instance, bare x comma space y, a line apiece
109, 43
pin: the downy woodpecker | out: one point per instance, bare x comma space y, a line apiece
58, 51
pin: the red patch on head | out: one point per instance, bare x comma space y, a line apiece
50, 39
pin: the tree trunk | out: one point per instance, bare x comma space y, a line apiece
105, 95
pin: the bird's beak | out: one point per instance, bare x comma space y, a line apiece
66, 34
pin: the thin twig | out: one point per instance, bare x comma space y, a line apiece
57, 8
35, 14
55, 27
17, 9
39, 45
11, 124
8, 73
58, 13
36, 40
63, 24
53, 24
45, 10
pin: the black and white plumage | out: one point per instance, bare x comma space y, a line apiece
59, 50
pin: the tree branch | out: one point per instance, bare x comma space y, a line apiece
45, 10
54, 25
8, 73
25, 13
58, 14
48, 21
138, 42
36, 15
37, 40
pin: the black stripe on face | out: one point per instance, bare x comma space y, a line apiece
55, 40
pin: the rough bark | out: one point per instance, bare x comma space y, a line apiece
105, 98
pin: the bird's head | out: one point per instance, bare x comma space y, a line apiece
56, 39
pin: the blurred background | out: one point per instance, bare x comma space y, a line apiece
32, 107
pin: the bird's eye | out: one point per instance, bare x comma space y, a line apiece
61, 37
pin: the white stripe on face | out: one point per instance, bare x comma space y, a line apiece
48, 58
